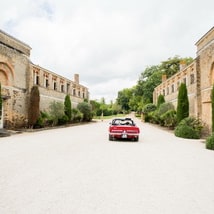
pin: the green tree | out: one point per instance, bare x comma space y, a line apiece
183, 103
124, 97
56, 111
95, 106
149, 79
172, 65
34, 111
67, 107
161, 100
86, 110
212, 100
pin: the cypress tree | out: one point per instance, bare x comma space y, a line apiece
160, 100
183, 103
34, 112
67, 107
212, 100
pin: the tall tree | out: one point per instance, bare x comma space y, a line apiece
161, 100
124, 97
172, 65
183, 103
34, 112
67, 107
149, 79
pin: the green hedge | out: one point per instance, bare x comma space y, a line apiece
210, 142
189, 127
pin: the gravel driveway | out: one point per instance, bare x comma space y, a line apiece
76, 170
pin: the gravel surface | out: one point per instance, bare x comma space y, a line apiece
76, 170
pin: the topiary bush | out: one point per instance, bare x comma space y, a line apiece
183, 103
163, 108
161, 100
190, 128
210, 142
147, 109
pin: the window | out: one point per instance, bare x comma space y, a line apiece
192, 78
68, 88
46, 83
62, 88
178, 84
173, 88
55, 86
167, 90
37, 79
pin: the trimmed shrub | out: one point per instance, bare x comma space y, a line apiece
163, 108
44, 120
63, 120
86, 110
189, 127
161, 100
210, 142
183, 103
149, 107
67, 107
186, 131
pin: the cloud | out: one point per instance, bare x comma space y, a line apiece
109, 43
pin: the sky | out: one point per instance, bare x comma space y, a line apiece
109, 43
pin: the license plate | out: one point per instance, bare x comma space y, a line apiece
124, 136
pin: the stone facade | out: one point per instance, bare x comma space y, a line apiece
18, 75
199, 78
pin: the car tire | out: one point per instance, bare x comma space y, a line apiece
110, 138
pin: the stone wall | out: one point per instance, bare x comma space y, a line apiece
169, 87
18, 75
13, 68
199, 90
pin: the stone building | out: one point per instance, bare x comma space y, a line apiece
199, 79
18, 75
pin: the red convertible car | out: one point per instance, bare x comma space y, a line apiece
123, 128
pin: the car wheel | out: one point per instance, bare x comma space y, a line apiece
110, 138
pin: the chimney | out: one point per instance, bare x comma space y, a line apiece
164, 77
182, 65
76, 78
